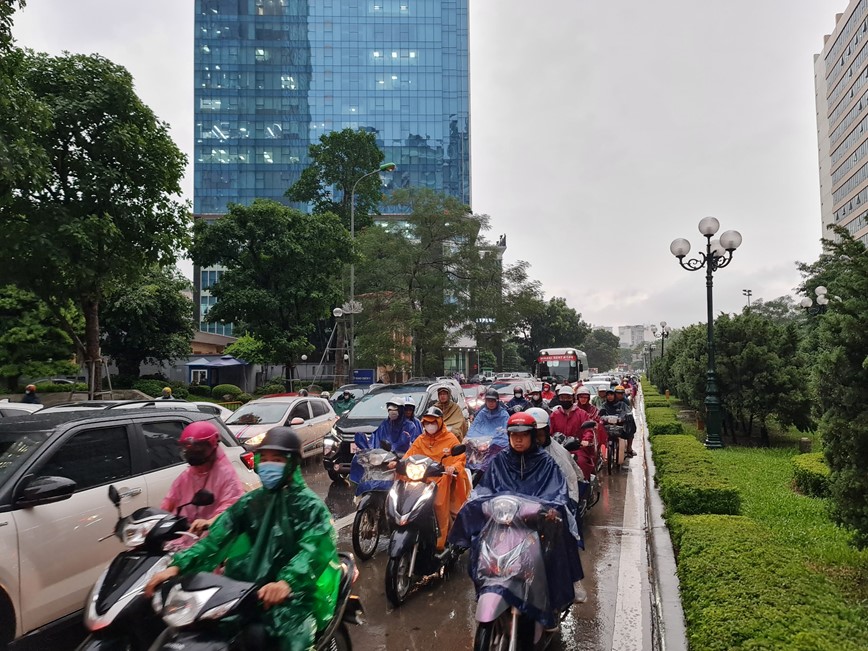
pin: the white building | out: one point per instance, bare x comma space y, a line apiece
631, 335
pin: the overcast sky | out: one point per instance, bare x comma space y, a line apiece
601, 131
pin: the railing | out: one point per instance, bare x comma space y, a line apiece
231, 406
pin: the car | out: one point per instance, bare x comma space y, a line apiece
505, 388
14, 409
84, 405
251, 421
357, 391
473, 395
367, 414
55, 470
213, 408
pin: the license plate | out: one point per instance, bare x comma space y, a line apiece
353, 448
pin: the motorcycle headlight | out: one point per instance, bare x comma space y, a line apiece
503, 510
253, 441
134, 533
218, 611
415, 471
182, 607
377, 458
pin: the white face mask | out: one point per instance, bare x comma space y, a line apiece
432, 428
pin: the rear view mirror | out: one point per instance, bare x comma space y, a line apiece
385, 445
572, 445
114, 496
457, 450
45, 490
203, 497
297, 421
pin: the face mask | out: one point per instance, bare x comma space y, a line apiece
432, 428
270, 473
517, 396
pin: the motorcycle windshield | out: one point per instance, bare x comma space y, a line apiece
374, 464
480, 449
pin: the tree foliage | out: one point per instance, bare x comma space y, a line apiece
602, 349
108, 206
339, 160
838, 341
250, 349
550, 324
148, 320
282, 272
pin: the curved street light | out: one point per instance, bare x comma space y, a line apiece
820, 304
665, 331
717, 255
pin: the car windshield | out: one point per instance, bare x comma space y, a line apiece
373, 405
15, 447
261, 413
506, 388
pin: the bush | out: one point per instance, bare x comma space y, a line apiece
688, 481
199, 390
742, 590
656, 401
811, 474
51, 387
244, 397
271, 387
226, 389
152, 388
663, 420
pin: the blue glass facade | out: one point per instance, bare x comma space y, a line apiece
272, 76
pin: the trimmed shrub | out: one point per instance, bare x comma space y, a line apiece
199, 390
226, 389
688, 481
244, 397
152, 388
51, 387
271, 387
663, 420
742, 590
656, 401
811, 474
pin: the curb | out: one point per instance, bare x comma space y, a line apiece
668, 629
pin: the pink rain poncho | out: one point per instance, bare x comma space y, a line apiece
221, 479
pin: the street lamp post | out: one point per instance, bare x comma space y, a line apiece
822, 302
717, 255
665, 331
352, 307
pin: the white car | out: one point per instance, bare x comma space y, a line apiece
13, 409
250, 422
55, 470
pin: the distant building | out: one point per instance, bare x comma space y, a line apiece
841, 84
631, 335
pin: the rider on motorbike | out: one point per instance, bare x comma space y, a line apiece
452, 415
567, 417
518, 402
208, 468
583, 398
572, 473
535, 399
344, 403
395, 429
292, 546
619, 409
491, 421
410, 416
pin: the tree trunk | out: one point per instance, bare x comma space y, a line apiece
90, 308
764, 436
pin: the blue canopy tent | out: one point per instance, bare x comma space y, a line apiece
223, 369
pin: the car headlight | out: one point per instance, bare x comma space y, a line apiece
253, 441
134, 533
182, 607
415, 471
504, 509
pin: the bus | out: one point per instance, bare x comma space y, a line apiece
566, 365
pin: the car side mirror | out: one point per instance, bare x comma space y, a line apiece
297, 421
203, 497
45, 490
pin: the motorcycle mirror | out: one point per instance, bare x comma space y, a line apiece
203, 497
572, 445
114, 496
385, 445
457, 450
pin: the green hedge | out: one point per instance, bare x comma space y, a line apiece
226, 389
154, 388
741, 590
657, 401
272, 387
811, 474
51, 387
200, 390
662, 420
688, 481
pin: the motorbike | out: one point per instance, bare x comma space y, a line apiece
117, 601
479, 451
209, 612
370, 521
510, 570
614, 448
410, 511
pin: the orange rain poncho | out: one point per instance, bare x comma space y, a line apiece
452, 491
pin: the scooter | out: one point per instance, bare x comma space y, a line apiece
117, 601
410, 510
209, 612
371, 521
510, 568
479, 451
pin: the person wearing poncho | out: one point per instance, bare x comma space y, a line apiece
287, 541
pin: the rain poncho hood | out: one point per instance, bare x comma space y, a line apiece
491, 423
287, 535
220, 478
453, 418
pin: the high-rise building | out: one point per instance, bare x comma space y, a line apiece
272, 76
631, 335
841, 82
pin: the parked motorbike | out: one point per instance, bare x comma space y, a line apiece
117, 601
208, 612
371, 521
410, 510
510, 569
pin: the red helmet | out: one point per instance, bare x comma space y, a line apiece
200, 432
521, 422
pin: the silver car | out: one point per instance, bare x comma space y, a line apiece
251, 421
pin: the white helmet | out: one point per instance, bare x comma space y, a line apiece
583, 391
325, 394
539, 415
566, 390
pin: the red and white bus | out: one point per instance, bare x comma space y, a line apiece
566, 365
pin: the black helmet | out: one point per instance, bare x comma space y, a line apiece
492, 393
433, 412
281, 439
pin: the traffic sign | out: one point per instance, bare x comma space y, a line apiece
363, 376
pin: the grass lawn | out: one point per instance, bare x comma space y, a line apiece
764, 478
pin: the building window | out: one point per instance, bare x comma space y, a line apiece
199, 376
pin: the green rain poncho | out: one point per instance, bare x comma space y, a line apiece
285, 534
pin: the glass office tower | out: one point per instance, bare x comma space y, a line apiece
272, 76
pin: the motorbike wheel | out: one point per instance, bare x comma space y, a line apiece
340, 640
398, 581
609, 460
335, 476
366, 532
92, 643
484, 638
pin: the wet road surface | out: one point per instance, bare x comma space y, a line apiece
616, 614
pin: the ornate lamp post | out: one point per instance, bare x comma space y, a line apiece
717, 255
665, 331
822, 302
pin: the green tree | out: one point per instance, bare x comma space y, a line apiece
30, 343
551, 324
148, 320
602, 348
110, 206
250, 349
282, 272
339, 160
781, 310
838, 341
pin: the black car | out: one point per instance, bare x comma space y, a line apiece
367, 414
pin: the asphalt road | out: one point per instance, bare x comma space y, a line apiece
615, 616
